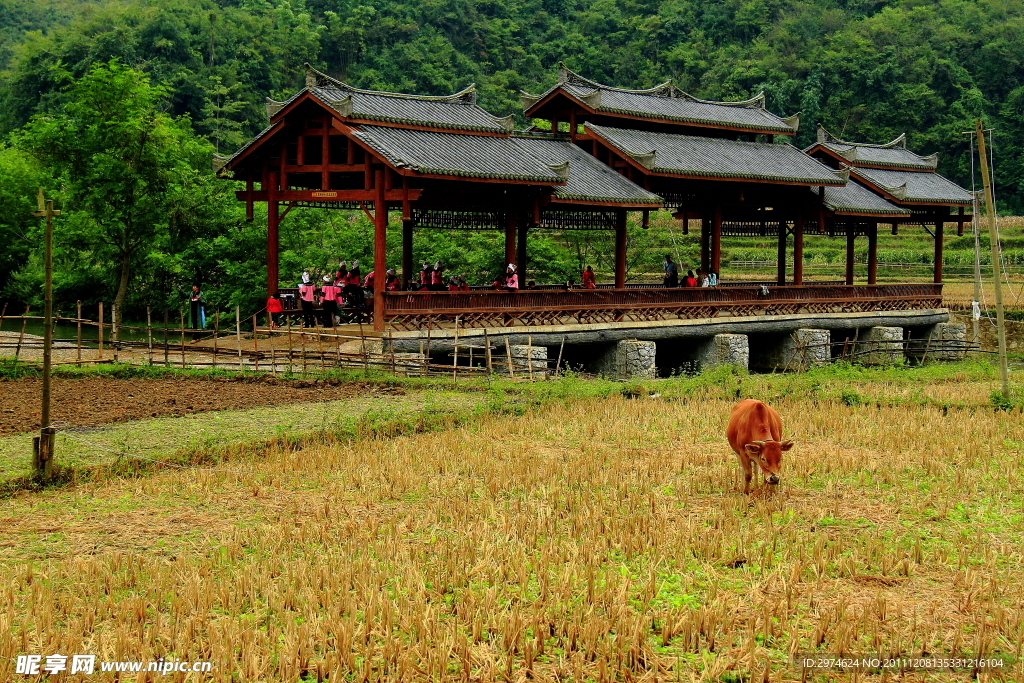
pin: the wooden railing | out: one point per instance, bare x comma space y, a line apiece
417, 310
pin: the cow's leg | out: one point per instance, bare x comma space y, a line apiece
747, 474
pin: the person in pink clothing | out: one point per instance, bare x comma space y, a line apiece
307, 292
511, 279
329, 294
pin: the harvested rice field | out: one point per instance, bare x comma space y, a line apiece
595, 539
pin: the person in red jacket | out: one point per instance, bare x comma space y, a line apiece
437, 278
353, 274
689, 280
463, 287
589, 281
391, 281
453, 284
274, 309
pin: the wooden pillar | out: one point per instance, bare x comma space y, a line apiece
873, 254
380, 245
821, 211
325, 154
620, 250
851, 237
407, 269
273, 220
781, 276
895, 228
716, 239
510, 238
523, 228
960, 222
705, 240
798, 248
937, 278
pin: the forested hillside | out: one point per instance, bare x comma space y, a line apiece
867, 69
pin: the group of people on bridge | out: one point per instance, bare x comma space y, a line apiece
701, 279
345, 294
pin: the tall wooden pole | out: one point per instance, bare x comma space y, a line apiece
273, 220
798, 248
44, 451
851, 245
380, 246
407, 269
510, 239
937, 268
716, 239
993, 236
781, 277
873, 254
976, 305
620, 250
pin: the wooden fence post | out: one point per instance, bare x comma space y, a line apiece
21, 335
115, 333
508, 354
255, 345
182, 312
288, 321
167, 339
238, 337
149, 333
455, 353
487, 351
529, 354
78, 334
559, 363
216, 335
99, 351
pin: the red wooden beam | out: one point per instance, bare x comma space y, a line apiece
397, 195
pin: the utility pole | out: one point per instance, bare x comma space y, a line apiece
996, 274
44, 442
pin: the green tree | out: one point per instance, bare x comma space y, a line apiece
124, 164
20, 179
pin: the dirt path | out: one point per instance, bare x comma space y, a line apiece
93, 401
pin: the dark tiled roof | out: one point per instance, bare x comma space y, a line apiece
452, 154
589, 180
667, 102
894, 153
857, 199
916, 187
717, 158
455, 112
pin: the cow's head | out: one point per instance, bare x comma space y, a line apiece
768, 454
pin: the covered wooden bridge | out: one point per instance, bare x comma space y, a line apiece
446, 163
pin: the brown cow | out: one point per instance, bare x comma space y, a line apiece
755, 433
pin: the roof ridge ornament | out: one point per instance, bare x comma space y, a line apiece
562, 169
567, 76
593, 100
793, 121
342, 105
755, 102
273, 106
506, 122
645, 160
527, 100
843, 174
318, 79
896, 143
219, 162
